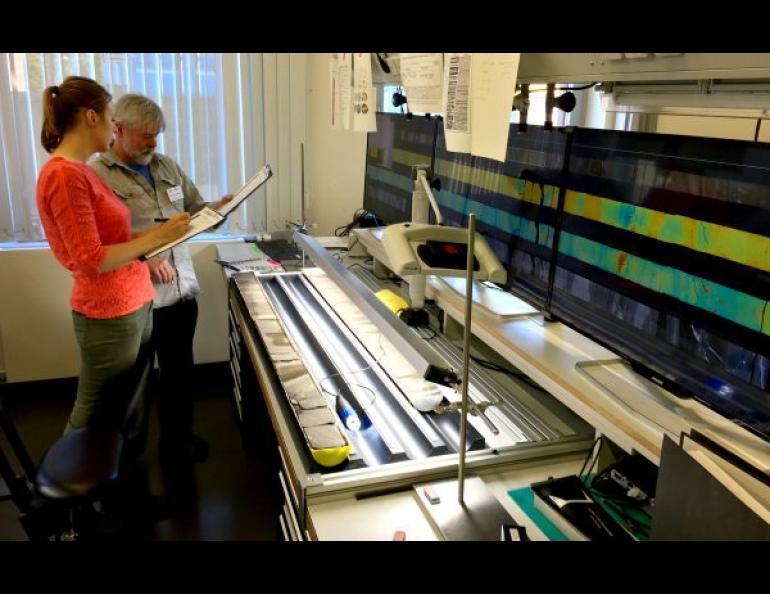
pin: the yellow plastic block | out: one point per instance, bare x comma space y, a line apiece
393, 302
331, 456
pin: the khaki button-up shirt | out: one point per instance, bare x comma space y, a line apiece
147, 204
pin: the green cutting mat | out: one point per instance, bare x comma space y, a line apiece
525, 499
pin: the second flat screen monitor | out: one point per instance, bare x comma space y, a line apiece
399, 144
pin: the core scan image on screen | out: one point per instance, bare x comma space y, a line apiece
514, 202
654, 245
400, 143
664, 253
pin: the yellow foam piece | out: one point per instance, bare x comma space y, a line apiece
331, 456
392, 301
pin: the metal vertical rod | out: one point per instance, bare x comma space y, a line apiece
466, 356
303, 214
420, 214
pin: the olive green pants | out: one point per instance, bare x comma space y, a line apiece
116, 360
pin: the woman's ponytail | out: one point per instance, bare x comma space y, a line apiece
50, 135
62, 103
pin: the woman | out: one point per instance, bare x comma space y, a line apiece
89, 231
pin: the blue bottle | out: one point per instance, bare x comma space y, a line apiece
348, 414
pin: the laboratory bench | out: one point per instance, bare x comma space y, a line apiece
296, 337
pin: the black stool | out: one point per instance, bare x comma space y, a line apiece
73, 474
76, 470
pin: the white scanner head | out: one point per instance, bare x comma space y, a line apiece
422, 249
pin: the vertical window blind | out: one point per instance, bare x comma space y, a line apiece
214, 105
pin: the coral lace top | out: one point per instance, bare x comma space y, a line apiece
81, 216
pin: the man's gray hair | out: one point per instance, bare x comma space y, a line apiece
135, 110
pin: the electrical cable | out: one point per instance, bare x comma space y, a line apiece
349, 385
632, 523
517, 374
583, 88
619, 505
344, 373
344, 230
357, 265
593, 453
429, 337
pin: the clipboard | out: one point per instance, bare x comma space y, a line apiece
207, 218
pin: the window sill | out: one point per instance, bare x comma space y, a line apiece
7, 246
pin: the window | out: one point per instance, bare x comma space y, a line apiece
387, 99
536, 112
214, 105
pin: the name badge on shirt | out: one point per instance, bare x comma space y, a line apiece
175, 193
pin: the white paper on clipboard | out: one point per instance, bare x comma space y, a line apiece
207, 218
260, 178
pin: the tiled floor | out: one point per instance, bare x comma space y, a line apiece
234, 495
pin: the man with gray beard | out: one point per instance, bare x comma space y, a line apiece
154, 186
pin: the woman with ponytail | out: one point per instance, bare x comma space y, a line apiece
89, 231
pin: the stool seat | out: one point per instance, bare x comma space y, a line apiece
78, 463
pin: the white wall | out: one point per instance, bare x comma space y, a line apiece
334, 159
593, 114
35, 318
712, 127
38, 341
211, 343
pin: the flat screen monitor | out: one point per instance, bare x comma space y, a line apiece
513, 202
664, 256
399, 144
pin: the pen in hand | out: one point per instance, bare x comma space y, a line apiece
165, 219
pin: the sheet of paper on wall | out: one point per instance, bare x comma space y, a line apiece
345, 80
457, 102
334, 87
493, 85
364, 105
423, 78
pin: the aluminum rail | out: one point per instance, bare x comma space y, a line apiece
426, 361
531, 427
